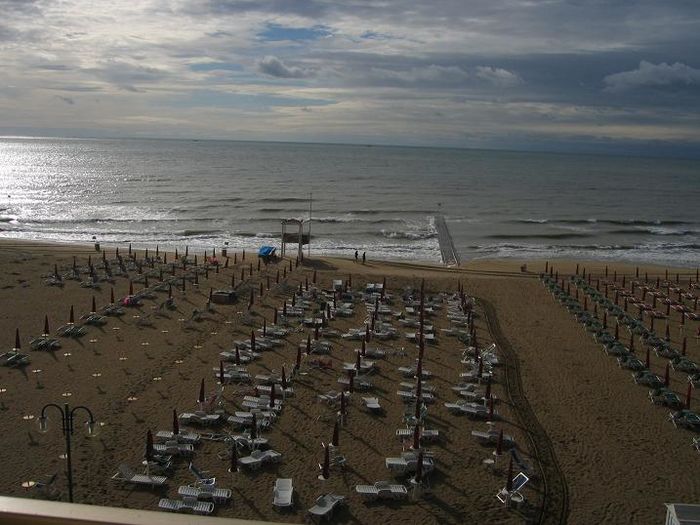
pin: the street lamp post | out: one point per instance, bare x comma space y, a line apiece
67, 428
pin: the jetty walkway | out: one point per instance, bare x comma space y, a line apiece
449, 254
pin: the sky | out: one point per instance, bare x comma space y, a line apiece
614, 76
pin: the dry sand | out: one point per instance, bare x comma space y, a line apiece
619, 455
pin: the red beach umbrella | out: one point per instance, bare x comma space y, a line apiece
668, 333
688, 394
313, 280
499, 443
418, 405
274, 317
351, 377
284, 308
18, 344
273, 395
94, 306
298, 356
71, 317
336, 434
221, 372
308, 344
238, 357
617, 332
419, 388
367, 333
201, 392
631, 342
487, 395
358, 362
364, 348
419, 370
131, 288
416, 437
480, 372
176, 423
252, 298
284, 378
111, 295
46, 326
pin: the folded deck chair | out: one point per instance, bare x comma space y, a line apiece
282, 493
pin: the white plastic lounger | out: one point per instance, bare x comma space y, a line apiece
282, 493
372, 403
324, 507
205, 492
126, 475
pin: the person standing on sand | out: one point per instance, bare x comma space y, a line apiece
363, 257
356, 255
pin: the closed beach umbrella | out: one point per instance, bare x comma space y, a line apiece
252, 340
509, 479
488, 389
238, 356
499, 443
358, 361
254, 428
71, 317
298, 356
18, 344
294, 299
46, 326
367, 333
417, 407
668, 333
131, 288
273, 395
364, 348
284, 308
419, 388
316, 332
480, 372
419, 468
416, 437
490, 409
342, 404
149, 446
617, 332
308, 344
284, 378
350, 280
274, 317
201, 392
336, 434
326, 471
631, 342
351, 378
221, 372
647, 362
94, 306
419, 370
111, 295
264, 327
314, 277
234, 456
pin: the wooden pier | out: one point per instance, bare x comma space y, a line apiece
449, 254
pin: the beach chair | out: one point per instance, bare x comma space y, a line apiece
372, 403
174, 448
324, 507
14, 359
46, 488
205, 492
282, 493
126, 475
182, 437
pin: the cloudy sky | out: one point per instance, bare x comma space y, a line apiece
574, 75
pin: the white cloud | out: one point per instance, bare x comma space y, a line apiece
652, 75
273, 66
497, 76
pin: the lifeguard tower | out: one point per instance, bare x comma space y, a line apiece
298, 237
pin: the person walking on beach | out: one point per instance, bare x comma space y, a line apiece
356, 255
363, 257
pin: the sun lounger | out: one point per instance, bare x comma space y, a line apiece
46, 488
426, 435
13, 359
381, 490
324, 507
174, 448
408, 463
182, 437
282, 493
360, 383
205, 492
126, 475
257, 458
492, 437
44, 343
372, 403
186, 505
201, 418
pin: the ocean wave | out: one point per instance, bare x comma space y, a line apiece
562, 236
199, 233
409, 235
653, 231
619, 222
282, 199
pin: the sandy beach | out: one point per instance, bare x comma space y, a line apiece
607, 453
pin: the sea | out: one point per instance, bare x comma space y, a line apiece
380, 200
